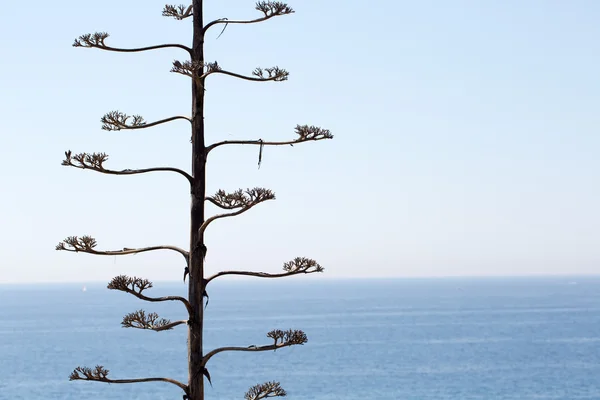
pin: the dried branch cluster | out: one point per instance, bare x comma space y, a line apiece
99, 373
306, 132
91, 40
188, 68
271, 74
273, 8
140, 320
244, 201
86, 244
116, 120
212, 67
240, 198
265, 390
97, 40
299, 265
192, 68
290, 337
135, 286
178, 12
76, 244
93, 161
127, 283
270, 9
302, 265
281, 339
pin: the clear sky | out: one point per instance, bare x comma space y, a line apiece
466, 140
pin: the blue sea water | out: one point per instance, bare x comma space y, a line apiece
500, 338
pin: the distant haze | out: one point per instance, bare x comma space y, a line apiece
466, 138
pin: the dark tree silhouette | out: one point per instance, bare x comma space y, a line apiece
234, 203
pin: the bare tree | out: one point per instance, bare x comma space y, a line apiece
233, 203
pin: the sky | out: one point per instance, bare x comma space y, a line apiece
466, 138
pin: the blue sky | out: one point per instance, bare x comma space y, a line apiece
466, 138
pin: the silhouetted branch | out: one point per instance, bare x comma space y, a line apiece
259, 74
244, 200
240, 198
87, 244
99, 374
273, 8
195, 69
178, 12
116, 120
305, 133
281, 339
270, 9
136, 286
95, 162
96, 40
265, 390
299, 265
192, 69
140, 320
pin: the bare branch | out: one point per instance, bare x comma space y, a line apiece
281, 339
198, 70
96, 40
140, 320
305, 133
178, 12
265, 390
99, 374
95, 162
116, 120
268, 8
136, 286
299, 265
87, 244
244, 200
275, 74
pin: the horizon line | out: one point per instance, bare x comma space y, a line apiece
340, 278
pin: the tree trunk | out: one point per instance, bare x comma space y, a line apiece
197, 248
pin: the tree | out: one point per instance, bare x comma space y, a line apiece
234, 203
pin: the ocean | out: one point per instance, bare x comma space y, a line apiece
437, 339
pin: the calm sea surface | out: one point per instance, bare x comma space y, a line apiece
460, 339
